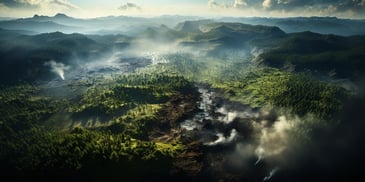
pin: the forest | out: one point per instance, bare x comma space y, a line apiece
31, 144
201, 100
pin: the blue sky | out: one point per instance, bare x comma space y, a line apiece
267, 8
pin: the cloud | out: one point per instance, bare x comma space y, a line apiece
334, 5
57, 68
296, 7
222, 139
37, 4
23, 4
334, 152
65, 4
217, 5
239, 3
267, 4
274, 140
129, 6
213, 4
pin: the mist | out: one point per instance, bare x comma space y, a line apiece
268, 142
213, 99
222, 139
57, 68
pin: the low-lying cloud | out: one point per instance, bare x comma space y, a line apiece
222, 139
57, 68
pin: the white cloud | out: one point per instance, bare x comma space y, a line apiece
284, 1
267, 4
64, 3
239, 3
274, 140
339, 8
222, 139
212, 4
36, 4
215, 4
129, 6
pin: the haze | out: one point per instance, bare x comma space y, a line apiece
193, 90
273, 8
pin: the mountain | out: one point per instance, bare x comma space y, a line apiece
9, 34
323, 25
136, 25
328, 54
332, 55
190, 26
36, 26
23, 56
161, 34
219, 37
213, 38
6, 18
59, 18
242, 29
103, 25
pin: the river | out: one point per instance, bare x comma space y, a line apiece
230, 135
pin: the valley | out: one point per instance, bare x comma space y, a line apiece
179, 98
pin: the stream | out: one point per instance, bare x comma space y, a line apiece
218, 120
229, 132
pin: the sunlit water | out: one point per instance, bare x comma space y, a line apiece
214, 120
205, 106
229, 132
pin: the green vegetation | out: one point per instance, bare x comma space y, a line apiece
329, 54
133, 103
138, 121
83, 150
23, 108
296, 92
260, 87
23, 57
206, 70
127, 124
129, 91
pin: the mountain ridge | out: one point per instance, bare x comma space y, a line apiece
130, 25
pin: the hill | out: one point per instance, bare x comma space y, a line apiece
323, 25
23, 56
220, 37
35, 26
333, 55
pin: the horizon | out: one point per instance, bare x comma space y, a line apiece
194, 90
348, 9
176, 15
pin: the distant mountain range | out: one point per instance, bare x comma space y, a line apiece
23, 56
23, 51
336, 56
103, 25
135, 25
323, 25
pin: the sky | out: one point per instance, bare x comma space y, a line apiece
247, 8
